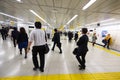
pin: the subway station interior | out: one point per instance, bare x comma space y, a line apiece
101, 17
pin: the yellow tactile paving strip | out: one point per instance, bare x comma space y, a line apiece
92, 76
109, 51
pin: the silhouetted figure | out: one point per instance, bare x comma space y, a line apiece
76, 36
94, 38
70, 36
82, 49
56, 40
3, 33
14, 35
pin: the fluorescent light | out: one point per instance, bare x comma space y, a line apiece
11, 16
18, 0
88, 4
72, 19
39, 16
108, 20
103, 21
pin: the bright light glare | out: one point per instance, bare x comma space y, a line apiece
72, 19
108, 20
11, 16
18, 0
103, 21
37, 15
88, 4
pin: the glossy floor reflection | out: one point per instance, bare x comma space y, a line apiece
101, 64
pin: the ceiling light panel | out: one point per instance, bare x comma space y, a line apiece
72, 19
11, 16
88, 4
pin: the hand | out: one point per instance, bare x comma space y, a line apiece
28, 49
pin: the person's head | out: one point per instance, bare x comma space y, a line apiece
108, 35
55, 30
84, 30
22, 30
15, 28
94, 34
38, 25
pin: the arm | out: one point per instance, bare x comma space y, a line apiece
28, 48
29, 45
30, 42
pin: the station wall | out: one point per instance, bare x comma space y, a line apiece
113, 30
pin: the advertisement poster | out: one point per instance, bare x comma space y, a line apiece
104, 33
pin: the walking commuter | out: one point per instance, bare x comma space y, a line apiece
107, 41
38, 37
10, 33
82, 49
3, 33
70, 36
22, 41
56, 40
94, 38
14, 35
76, 36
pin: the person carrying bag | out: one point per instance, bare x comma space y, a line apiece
81, 51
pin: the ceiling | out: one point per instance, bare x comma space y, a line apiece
59, 12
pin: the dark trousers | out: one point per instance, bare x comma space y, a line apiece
81, 59
57, 46
93, 43
38, 50
107, 44
25, 51
4, 37
14, 42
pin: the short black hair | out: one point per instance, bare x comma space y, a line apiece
84, 30
15, 28
38, 24
55, 30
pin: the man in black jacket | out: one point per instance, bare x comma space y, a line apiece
15, 34
82, 48
56, 40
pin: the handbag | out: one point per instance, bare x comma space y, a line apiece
59, 44
46, 49
46, 45
78, 51
75, 51
53, 39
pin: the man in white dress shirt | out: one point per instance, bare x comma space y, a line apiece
38, 37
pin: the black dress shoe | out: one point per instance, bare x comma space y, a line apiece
79, 65
42, 70
25, 57
52, 49
60, 52
82, 68
20, 53
35, 68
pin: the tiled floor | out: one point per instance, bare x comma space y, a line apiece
101, 64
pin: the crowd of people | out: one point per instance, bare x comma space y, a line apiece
38, 36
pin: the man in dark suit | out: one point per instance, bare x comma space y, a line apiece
82, 48
56, 40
